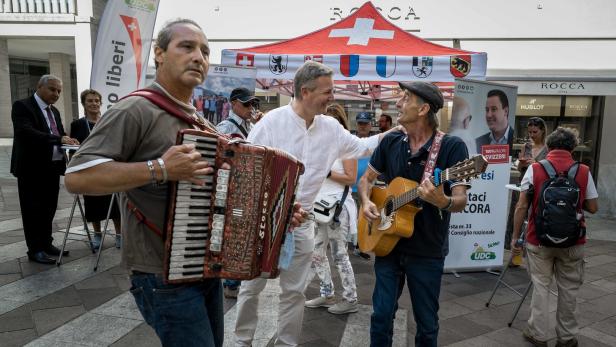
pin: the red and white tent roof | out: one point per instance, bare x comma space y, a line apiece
362, 47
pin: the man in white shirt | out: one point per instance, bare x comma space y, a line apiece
317, 141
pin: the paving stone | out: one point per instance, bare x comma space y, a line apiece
479, 341
17, 337
606, 326
92, 298
459, 328
18, 319
507, 337
451, 309
594, 338
8, 278
49, 319
64, 297
142, 335
98, 281
599, 260
122, 281
88, 329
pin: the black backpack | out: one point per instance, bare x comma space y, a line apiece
558, 221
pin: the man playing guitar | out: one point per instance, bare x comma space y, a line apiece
419, 258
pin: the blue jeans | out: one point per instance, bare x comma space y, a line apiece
181, 314
423, 276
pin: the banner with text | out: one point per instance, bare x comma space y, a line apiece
122, 48
483, 116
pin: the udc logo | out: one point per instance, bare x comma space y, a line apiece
481, 254
278, 63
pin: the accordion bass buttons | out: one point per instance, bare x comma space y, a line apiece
220, 201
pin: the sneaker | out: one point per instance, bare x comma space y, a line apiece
530, 338
96, 242
343, 307
568, 343
230, 293
321, 301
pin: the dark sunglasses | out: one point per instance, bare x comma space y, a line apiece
251, 104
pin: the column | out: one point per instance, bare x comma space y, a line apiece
83, 60
59, 66
6, 125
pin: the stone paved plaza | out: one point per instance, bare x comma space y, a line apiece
71, 305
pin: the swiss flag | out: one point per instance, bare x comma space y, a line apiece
317, 58
243, 59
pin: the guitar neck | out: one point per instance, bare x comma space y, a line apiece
409, 196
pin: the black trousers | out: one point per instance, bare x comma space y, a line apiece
38, 199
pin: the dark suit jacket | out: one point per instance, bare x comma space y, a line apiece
485, 140
33, 142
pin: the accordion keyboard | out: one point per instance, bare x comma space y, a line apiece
192, 212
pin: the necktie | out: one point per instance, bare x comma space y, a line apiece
52, 121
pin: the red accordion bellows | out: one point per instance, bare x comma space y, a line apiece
234, 226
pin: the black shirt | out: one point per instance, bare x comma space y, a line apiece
393, 158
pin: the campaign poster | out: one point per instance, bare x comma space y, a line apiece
211, 99
483, 116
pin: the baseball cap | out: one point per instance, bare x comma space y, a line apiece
363, 117
427, 91
242, 94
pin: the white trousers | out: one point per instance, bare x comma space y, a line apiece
337, 240
291, 306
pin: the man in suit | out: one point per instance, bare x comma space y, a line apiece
37, 162
497, 119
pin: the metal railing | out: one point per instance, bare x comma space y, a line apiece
37, 6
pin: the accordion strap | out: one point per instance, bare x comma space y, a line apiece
142, 219
163, 101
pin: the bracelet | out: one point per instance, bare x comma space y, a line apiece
152, 172
161, 163
446, 208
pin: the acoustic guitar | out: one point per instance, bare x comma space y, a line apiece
396, 210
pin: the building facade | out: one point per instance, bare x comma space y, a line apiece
46, 36
560, 54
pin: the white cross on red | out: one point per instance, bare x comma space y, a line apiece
362, 32
132, 26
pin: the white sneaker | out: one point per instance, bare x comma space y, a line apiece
321, 301
343, 307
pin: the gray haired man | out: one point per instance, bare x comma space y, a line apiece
317, 141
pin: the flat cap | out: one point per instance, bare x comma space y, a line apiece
427, 91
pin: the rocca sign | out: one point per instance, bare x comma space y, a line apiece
393, 13
562, 86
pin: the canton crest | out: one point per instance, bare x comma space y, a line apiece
460, 65
278, 63
422, 66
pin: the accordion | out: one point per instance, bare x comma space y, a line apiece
234, 226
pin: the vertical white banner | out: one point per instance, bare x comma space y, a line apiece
122, 48
483, 116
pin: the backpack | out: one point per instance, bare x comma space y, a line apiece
558, 221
